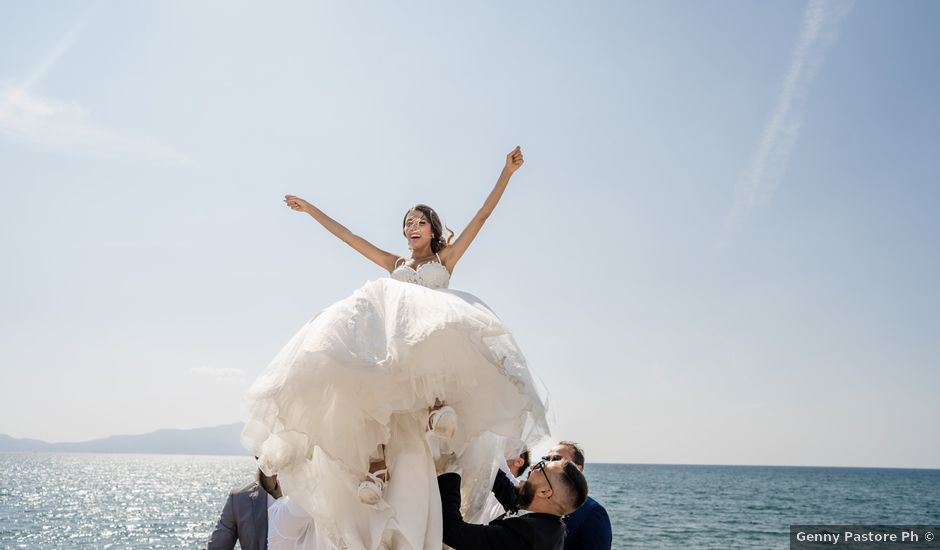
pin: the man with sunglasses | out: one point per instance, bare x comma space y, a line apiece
588, 528
551, 491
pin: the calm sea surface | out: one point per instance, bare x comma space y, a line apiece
84, 501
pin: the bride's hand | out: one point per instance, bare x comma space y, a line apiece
514, 160
297, 203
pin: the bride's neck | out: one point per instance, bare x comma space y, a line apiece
421, 253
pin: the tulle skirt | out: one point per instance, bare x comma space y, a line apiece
362, 373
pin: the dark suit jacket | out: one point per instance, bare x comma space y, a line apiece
505, 492
244, 519
532, 531
588, 528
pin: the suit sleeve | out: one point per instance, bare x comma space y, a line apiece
467, 536
226, 531
505, 492
595, 532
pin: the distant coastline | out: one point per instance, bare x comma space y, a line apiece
216, 440
225, 440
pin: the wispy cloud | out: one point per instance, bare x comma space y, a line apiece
65, 125
220, 375
819, 30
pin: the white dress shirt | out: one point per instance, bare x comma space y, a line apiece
290, 528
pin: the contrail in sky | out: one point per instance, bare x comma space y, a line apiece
63, 46
819, 30
64, 125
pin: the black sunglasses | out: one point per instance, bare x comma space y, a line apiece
540, 466
552, 458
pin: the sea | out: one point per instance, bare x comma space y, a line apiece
91, 501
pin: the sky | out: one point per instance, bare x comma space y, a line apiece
722, 247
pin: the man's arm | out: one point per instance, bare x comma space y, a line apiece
505, 492
226, 530
466, 536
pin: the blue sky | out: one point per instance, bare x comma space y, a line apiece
722, 247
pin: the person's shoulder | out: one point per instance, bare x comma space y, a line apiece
595, 509
542, 520
589, 513
537, 530
245, 489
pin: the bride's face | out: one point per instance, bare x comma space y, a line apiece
417, 230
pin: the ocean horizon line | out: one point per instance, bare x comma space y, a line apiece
224, 440
652, 464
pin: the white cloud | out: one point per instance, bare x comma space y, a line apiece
225, 376
819, 30
66, 126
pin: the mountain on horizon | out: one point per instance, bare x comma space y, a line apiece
216, 440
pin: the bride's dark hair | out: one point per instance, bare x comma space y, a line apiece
438, 242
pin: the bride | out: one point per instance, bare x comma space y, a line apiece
353, 411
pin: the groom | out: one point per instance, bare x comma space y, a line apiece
552, 490
244, 517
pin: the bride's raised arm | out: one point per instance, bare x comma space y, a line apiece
386, 260
451, 255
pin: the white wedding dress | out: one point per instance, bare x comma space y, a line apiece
363, 372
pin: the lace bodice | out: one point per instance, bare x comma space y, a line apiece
431, 274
